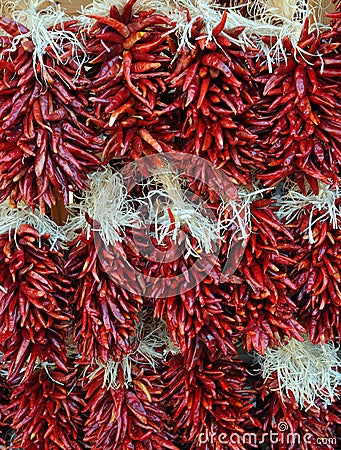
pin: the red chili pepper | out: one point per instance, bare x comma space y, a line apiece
213, 60
120, 27
142, 23
300, 80
316, 274
12, 27
220, 27
111, 316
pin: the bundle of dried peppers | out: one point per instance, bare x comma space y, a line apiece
148, 320
48, 140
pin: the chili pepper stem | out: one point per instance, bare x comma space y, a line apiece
111, 372
306, 370
293, 204
12, 218
107, 203
153, 335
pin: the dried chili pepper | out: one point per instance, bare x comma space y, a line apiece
316, 272
203, 312
213, 89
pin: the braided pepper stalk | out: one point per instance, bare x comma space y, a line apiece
335, 17
315, 222
211, 400
48, 142
45, 411
127, 417
34, 312
303, 371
